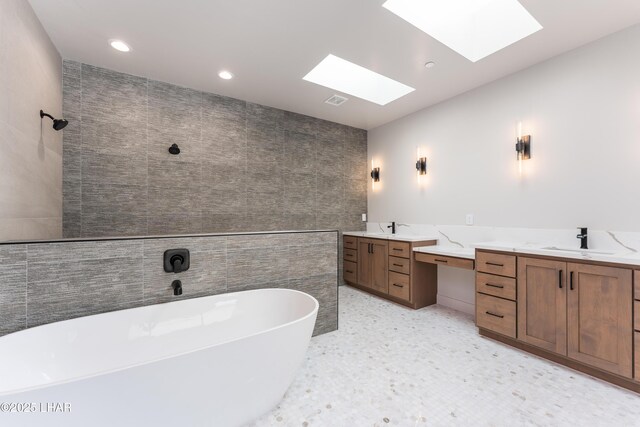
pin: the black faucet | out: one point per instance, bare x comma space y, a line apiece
583, 238
176, 260
177, 287
392, 227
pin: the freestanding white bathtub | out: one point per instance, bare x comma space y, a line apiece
215, 361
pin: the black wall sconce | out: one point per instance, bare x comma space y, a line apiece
421, 166
523, 147
523, 144
375, 174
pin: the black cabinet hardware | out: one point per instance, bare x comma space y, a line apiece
495, 315
495, 264
560, 279
440, 260
495, 286
398, 286
571, 280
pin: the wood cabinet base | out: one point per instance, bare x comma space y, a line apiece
388, 297
554, 357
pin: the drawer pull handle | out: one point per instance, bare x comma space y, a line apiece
495, 286
560, 279
495, 264
398, 265
398, 249
349, 271
571, 280
440, 260
495, 315
398, 286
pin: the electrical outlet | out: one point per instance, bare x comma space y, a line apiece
469, 219
364, 217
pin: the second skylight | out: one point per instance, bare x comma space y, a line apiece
473, 28
347, 77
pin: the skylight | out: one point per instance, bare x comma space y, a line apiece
473, 28
347, 77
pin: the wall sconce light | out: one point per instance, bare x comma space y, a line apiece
421, 165
523, 144
523, 147
375, 175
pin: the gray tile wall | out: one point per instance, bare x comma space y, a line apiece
243, 166
49, 282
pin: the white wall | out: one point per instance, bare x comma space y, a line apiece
31, 155
583, 111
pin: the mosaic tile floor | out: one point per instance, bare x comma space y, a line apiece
391, 366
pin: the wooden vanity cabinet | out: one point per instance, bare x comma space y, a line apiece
577, 310
576, 313
386, 268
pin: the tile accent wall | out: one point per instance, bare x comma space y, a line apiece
243, 166
49, 282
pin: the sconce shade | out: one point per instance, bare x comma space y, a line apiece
421, 166
375, 174
523, 147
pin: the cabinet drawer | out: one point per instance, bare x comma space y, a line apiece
350, 272
636, 322
399, 285
399, 265
637, 355
350, 255
503, 287
445, 260
502, 265
496, 314
400, 249
350, 242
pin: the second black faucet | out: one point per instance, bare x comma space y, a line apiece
583, 236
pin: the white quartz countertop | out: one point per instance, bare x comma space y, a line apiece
453, 251
385, 236
612, 256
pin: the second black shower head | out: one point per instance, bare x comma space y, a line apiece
58, 124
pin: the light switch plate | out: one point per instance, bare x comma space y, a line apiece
364, 217
469, 219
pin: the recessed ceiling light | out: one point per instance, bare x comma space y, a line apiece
119, 45
473, 28
430, 64
344, 76
226, 75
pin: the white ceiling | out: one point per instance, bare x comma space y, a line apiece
270, 45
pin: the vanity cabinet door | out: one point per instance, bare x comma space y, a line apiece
599, 317
380, 266
373, 264
542, 301
364, 263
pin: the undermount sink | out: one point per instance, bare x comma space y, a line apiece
578, 251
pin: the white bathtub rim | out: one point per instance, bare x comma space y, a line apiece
159, 359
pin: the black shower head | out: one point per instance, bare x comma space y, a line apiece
58, 124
